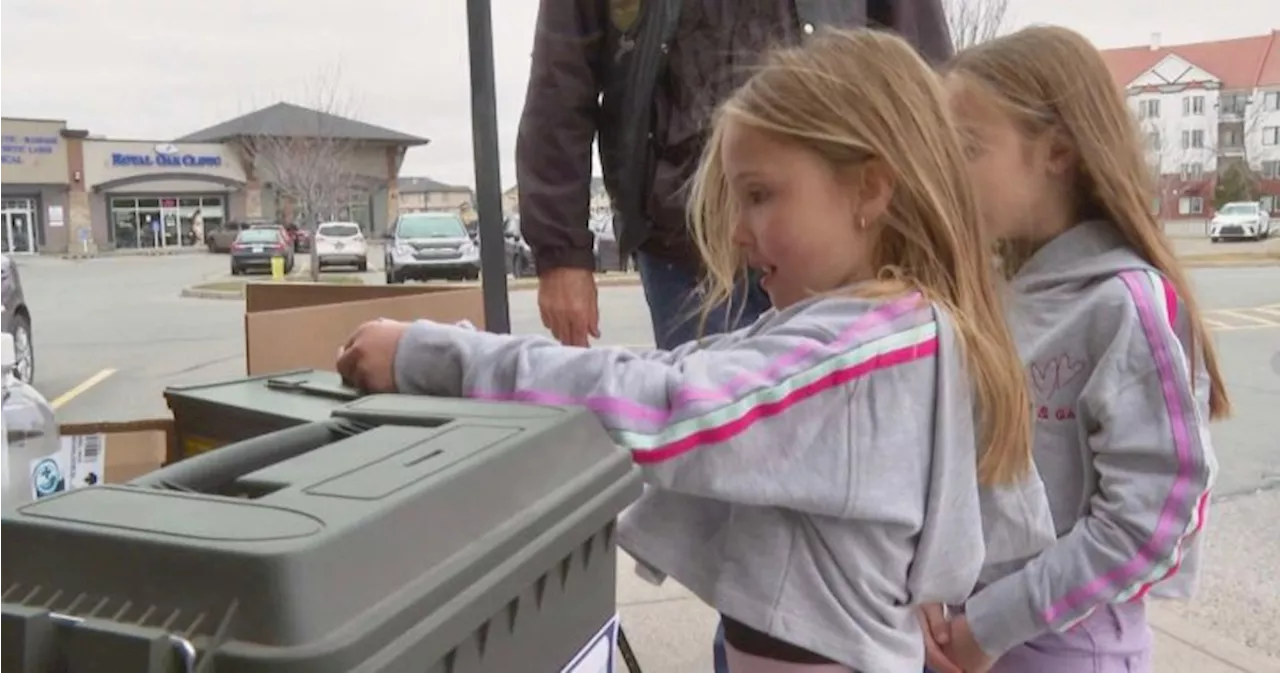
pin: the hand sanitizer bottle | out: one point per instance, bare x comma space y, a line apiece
33, 464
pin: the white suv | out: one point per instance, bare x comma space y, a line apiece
1240, 219
341, 244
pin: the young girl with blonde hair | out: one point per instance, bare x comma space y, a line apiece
816, 475
1122, 369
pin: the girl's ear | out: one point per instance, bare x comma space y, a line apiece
875, 187
1062, 153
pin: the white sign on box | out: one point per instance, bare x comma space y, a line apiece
597, 656
79, 462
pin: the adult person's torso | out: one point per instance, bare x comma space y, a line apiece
658, 57
716, 47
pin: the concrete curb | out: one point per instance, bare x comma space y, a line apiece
513, 285
1194, 261
197, 293
1229, 652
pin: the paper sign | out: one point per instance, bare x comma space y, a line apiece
597, 656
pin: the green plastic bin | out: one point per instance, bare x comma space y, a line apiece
400, 534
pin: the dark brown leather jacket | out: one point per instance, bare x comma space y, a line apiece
640, 77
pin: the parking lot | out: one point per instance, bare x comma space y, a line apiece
111, 333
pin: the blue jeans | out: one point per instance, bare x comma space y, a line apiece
671, 292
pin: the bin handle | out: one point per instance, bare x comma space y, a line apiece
210, 470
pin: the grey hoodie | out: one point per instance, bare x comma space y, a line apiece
1121, 442
812, 476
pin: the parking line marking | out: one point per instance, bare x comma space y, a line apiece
80, 389
1245, 316
1269, 310
1216, 324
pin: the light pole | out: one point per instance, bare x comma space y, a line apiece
484, 139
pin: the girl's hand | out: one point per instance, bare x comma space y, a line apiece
937, 635
368, 360
964, 650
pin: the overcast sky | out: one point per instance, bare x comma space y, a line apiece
156, 69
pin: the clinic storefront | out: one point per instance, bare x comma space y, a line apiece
35, 181
161, 195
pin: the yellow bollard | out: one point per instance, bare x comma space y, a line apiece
277, 268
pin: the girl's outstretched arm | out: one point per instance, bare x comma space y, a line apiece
763, 417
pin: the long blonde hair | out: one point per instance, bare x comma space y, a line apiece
862, 95
1048, 78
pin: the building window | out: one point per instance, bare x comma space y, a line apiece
1192, 105
1271, 135
1192, 171
1271, 101
1271, 170
1192, 139
1149, 109
164, 222
1190, 205
1231, 139
1233, 103
1153, 141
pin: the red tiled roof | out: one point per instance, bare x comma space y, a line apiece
1240, 63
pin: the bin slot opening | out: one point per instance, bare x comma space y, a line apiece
422, 459
306, 387
252, 489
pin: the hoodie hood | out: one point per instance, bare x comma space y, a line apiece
1085, 253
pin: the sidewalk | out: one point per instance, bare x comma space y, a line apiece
671, 632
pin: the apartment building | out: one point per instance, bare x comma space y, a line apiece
1211, 115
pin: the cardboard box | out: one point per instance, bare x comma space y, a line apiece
121, 451
302, 325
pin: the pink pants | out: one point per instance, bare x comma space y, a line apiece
741, 662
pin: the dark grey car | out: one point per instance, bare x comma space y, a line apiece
17, 321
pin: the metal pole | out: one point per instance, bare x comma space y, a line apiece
484, 139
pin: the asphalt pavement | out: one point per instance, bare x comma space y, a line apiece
111, 333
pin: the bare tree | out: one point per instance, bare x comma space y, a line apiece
975, 21
312, 164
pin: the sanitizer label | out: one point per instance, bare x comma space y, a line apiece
79, 462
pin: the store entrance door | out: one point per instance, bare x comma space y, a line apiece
17, 226
171, 231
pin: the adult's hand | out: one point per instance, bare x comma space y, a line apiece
569, 304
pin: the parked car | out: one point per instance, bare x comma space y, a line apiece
301, 238
519, 255
220, 238
17, 321
422, 246
608, 254
1240, 219
254, 248
341, 244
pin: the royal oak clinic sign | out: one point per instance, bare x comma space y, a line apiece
166, 156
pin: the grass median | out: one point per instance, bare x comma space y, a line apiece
236, 285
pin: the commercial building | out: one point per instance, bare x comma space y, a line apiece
1208, 109
65, 190
418, 194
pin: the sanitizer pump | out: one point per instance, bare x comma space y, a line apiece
33, 463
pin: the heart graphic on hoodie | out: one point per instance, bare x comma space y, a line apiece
1050, 376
